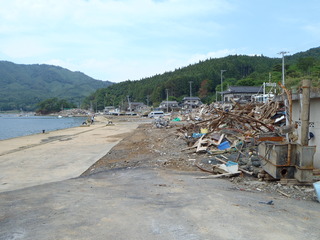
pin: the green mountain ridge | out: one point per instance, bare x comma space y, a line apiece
24, 86
241, 70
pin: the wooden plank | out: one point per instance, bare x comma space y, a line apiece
273, 139
241, 169
219, 175
282, 193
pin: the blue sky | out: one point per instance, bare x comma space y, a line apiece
117, 40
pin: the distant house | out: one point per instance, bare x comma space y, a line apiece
191, 102
170, 105
240, 93
136, 106
109, 109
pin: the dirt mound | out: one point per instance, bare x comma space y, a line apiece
148, 146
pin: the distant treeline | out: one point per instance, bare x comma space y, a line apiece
25, 86
205, 78
53, 105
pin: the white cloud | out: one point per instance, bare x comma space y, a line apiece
108, 12
109, 20
117, 40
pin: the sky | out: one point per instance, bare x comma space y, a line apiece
119, 40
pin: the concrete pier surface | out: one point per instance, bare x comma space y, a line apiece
42, 197
144, 203
58, 155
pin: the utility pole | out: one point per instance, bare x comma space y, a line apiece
283, 53
190, 88
106, 99
269, 77
148, 100
129, 103
114, 98
221, 72
167, 101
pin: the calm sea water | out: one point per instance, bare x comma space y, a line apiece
13, 125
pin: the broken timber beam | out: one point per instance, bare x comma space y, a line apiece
241, 169
219, 175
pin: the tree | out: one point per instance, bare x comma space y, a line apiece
305, 64
206, 77
203, 91
52, 105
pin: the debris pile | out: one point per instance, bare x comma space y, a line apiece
153, 147
75, 112
232, 132
161, 122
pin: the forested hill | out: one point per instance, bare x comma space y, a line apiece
206, 78
23, 86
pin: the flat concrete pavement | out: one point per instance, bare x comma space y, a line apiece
152, 204
58, 155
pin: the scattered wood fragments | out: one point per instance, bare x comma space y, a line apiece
284, 194
234, 131
219, 175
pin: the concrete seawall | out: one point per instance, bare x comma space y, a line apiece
58, 155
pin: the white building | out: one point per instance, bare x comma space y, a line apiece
191, 102
170, 105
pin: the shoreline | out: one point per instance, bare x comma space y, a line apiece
57, 155
98, 118
13, 126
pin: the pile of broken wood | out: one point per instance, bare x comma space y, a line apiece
222, 130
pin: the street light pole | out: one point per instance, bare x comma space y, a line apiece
221, 72
129, 103
190, 88
283, 53
167, 100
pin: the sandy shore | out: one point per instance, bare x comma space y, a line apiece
58, 155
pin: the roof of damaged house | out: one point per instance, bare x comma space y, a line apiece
169, 102
243, 89
136, 103
191, 98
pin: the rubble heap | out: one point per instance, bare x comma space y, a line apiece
232, 132
75, 112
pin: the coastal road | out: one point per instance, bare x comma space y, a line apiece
145, 203
58, 155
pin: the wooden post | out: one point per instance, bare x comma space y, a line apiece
305, 112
